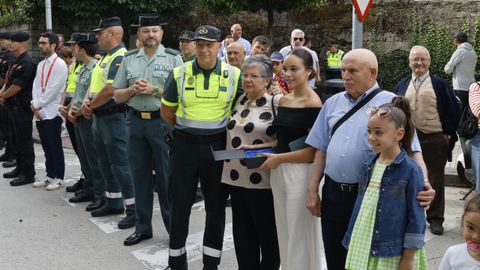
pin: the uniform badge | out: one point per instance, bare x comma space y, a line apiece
157, 67
190, 80
103, 65
203, 30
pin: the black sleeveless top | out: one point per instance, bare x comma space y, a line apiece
291, 124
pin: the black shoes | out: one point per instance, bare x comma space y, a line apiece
75, 187
10, 163
4, 158
127, 222
82, 197
22, 180
136, 238
12, 174
183, 267
106, 211
95, 204
436, 228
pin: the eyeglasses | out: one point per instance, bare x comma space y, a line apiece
297, 39
423, 60
253, 76
382, 112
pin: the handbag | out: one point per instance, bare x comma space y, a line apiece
468, 126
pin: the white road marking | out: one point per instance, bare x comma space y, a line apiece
108, 224
156, 256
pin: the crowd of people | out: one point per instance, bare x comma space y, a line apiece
381, 155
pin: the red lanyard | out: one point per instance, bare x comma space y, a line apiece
48, 74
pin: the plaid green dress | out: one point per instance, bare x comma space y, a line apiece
358, 257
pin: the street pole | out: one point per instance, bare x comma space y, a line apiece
48, 15
357, 31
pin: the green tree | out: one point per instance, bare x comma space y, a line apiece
12, 11
229, 7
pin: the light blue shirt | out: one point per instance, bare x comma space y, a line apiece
348, 151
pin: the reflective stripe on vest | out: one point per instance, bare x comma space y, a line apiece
335, 59
72, 78
100, 71
209, 114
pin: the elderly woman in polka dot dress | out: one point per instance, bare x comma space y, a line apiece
254, 230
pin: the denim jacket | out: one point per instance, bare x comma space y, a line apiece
400, 220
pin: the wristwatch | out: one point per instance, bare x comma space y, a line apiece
156, 90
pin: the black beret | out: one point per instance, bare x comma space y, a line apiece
5, 35
73, 38
106, 23
187, 35
86, 38
208, 33
19, 36
149, 19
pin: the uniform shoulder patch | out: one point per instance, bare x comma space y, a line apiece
172, 51
131, 52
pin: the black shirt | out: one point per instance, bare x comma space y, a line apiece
5, 61
22, 73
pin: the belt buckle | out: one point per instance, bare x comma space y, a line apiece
346, 187
146, 115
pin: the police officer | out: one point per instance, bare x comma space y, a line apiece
109, 125
93, 187
334, 62
140, 82
198, 99
73, 71
18, 89
186, 44
6, 111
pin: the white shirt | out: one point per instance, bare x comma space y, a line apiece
246, 44
47, 102
458, 258
287, 49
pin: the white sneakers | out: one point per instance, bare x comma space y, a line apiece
50, 183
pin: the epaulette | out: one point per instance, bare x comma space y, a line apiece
172, 51
131, 52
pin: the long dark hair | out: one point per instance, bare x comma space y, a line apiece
402, 113
307, 59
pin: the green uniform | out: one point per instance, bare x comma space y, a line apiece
110, 136
204, 101
146, 132
93, 183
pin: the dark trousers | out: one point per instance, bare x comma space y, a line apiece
464, 143
49, 131
6, 121
190, 162
87, 154
148, 150
22, 123
254, 230
337, 207
434, 151
71, 128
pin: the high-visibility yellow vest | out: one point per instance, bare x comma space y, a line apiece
72, 78
334, 60
100, 71
200, 108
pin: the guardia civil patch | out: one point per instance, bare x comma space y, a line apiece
190, 80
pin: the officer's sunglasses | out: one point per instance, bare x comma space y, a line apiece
298, 39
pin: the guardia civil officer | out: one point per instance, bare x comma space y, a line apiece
140, 83
18, 90
93, 186
198, 99
6, 111
109, 125
186, 44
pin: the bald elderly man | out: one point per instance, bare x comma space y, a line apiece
360, 70
235, 54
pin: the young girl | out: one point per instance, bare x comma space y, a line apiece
387, 227
466, 256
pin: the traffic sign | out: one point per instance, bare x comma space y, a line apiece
362, 7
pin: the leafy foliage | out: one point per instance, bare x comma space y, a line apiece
13, 11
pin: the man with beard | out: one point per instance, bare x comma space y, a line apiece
139, 82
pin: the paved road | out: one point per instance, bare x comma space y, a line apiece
41, 230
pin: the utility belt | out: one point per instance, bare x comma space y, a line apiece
110, 110
193, 138
145, 115
344, 187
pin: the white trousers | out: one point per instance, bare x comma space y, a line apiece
296, 228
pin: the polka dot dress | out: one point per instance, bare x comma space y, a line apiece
249, 124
